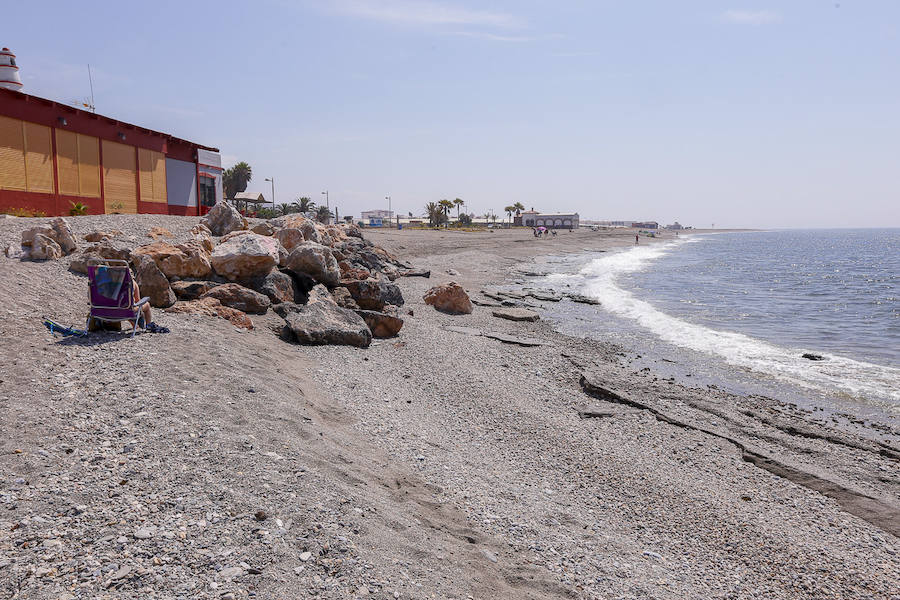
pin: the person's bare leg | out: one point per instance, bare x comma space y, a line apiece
145, 309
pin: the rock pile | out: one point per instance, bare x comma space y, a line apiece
46, 242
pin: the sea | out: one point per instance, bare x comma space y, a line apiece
739, 310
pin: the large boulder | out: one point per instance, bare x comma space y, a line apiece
314, 260
326, 323
109, 249
277, 286
213, 308
305, 225
245, 256
158, 232
42, 247
373, 294
64, 236
344, 298
264, 228
223, 218
239, 297
152, 282
449, 298
381, 325
191, 290
185, 260
99, 236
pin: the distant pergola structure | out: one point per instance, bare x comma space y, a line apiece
247, 198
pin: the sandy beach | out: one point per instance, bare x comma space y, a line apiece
214, 462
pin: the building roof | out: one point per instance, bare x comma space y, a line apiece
250, 197
10, 95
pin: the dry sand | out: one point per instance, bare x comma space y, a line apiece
215, 463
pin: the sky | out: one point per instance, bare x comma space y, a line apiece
738, 114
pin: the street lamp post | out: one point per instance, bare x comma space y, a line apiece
391, 217
272, 180
327, 205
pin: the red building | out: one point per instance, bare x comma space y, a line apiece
53, 156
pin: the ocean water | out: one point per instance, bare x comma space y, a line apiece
747, 306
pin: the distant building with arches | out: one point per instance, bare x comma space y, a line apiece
550, 220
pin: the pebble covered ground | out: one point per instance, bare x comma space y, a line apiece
212, 462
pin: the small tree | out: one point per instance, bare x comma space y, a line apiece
519, 208
459, 203
435, 213
304, 205
323, 215
235, 179
509, 210
446, 206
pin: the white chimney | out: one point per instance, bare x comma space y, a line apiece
9, 72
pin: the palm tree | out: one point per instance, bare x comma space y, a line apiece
519, 208
434, 213
304, 205
458, 202
236, 178
445, 206
509, 210
323, 215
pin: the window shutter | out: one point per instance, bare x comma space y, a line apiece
12, 154
38, 158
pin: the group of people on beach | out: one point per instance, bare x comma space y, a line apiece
542, 231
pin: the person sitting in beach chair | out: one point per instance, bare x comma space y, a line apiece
114, 296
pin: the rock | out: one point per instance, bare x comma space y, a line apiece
305, 556
201, 230
239, 297
264, 228
231, 572
488, 303
297, 222
509, 339
415, 273
13, 251
452, 272
64, 236
464, 330
277, 286
372, 294
213, 308
42, 247
516, 314
344, 298
191, 290
583, 299
184, 260
107, 249
811, 356
260, 515
327, 323
234, 234
380, 324
224, 218
122, 573
349, 272
289, 237
246, 256
314, 260
29, 234
158, 232
152, 282
544, 296
449, 298
145, 533
99, 236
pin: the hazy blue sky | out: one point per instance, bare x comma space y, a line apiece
736, 113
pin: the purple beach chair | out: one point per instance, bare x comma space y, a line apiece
111, 294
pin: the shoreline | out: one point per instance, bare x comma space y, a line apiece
438, 463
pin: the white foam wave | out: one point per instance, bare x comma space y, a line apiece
853, 378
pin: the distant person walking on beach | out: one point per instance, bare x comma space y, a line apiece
636, 239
